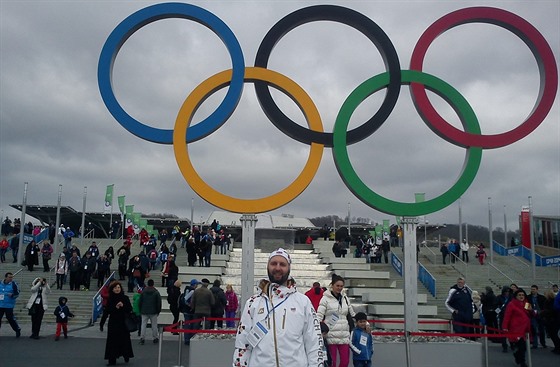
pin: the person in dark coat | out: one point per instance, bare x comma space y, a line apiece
32, 255
220, 302
118, 338
173, 294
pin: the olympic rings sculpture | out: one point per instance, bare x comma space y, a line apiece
315, 136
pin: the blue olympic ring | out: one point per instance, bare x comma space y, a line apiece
144, 17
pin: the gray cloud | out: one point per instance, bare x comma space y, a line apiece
55, 129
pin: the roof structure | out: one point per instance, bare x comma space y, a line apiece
263, 220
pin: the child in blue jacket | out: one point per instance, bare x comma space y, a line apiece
361, 342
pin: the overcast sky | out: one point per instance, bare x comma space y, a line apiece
55, 128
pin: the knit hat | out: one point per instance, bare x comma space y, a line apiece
280, 252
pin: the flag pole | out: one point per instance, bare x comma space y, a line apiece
83, 218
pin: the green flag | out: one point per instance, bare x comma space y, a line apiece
109, 199
129, 210
120, 200
136, 218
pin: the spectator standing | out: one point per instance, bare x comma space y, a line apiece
68, 234
173, 294
517, 319
122, 261
88, 267
231, 306
361, 342
334, 309
14, 245
287, 342
61, 269
202, 301
551, 320
104, 299
4, 245
185, 306
501, 303
459, 302
315, 294
46, 254
452, 248
444, 252
150, 308
75, 270
480, 254
62, 313
220, 302
37, 304
537, 325
464, 251
93, 250
118, 338
32, 255
103, 268
489, 304
9, 292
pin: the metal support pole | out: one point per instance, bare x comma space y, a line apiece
82, 229
505, 228
21, 250
410, 274
531, 229
57, 225
349, 234
491, 247
460, 223
407, 348
485, 347
248, 223
192, 215
528, 347
179, 337
160, 344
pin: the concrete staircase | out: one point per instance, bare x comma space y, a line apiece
306, 269
376, 289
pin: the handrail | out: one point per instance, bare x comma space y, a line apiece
433, 253
521, 261
499, 271
97, 295
464, 263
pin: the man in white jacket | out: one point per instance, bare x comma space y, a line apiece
278, 326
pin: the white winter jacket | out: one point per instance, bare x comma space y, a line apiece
35, 292
333, 313
294, 333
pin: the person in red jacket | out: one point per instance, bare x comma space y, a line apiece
517, 319
315, 294
4, 244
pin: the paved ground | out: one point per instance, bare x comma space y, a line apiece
85, 347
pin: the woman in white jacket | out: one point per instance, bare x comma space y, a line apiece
37, 304
333, 310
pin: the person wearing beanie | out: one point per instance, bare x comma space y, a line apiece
220, 302
278, 325
361, 342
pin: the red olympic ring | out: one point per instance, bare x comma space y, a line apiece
529, 35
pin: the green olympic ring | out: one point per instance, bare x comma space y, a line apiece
360, 189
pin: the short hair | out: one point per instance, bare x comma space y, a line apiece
8, 273
150, 282
535, 286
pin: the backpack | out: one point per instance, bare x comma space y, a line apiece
185, 301
153, 255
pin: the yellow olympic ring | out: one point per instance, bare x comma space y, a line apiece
216, 198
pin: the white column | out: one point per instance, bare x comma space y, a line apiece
83, 230
21, 251
248, 224
410, 274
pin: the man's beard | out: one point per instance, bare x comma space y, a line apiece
282, 281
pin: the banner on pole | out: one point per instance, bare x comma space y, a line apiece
109, 199
120, 200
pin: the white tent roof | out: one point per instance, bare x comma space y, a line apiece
263, 220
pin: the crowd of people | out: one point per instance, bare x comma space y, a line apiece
460, 252
514, 311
